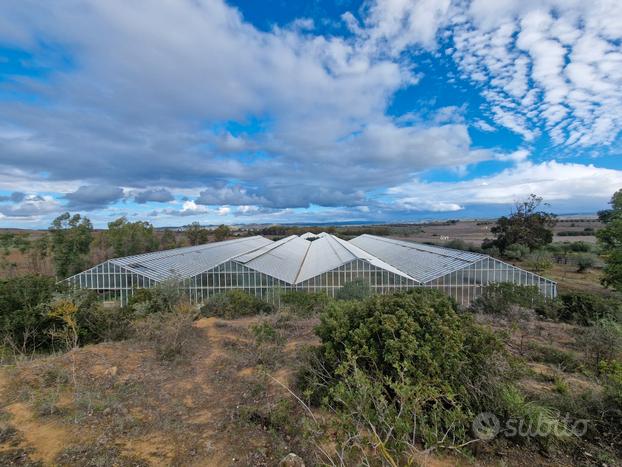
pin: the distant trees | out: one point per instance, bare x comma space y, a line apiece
610, 237
71, 240
222, 232
131, 238
197, 235
527, 225
168, 240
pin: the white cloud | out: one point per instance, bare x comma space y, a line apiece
564, 185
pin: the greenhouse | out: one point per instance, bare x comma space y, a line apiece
310, 262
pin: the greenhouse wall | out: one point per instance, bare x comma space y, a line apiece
117, 283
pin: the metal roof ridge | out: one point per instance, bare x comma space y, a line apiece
268, 248
302, 263
413, 245
184, 249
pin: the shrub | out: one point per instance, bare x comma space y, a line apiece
586, 261
580, 247
265, 332
586, 308
392, 359
168, 332
305, 304
357, 289
516, 251
539, 260
602, 342
499, 298
235, 304
100, 323
164, 297
24, 323
612, 379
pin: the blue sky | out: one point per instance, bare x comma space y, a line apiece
315, 111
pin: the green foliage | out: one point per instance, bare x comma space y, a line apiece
527, 225
235, 304
71, 241
610, 237
222, 232
357, 289
24, 323
539, 260
612, 379
516, 251
393, 359
586, 261
163, 298
265, 332
168, 240
498, 298
304, 304
131, 238
196, 234
586, 308
601, 342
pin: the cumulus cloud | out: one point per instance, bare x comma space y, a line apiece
157, 195
30, 206
91, 197
564, 185
16, 197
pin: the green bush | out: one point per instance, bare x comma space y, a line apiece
164, 297
265, 332
516, 251
391, 359
539, 260
586, 261
612, 376
357, 289
24, 323
235, 304
602, 342
586, 308
500, 297
305, 304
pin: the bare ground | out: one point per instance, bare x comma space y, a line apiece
223, 402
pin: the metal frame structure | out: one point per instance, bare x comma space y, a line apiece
317, 263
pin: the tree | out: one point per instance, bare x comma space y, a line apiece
131, 238
527, 225
71, 240
610, 237
39, 254
168, 240
222, 232
196, 234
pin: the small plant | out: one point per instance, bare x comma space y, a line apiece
168, 333
265, 332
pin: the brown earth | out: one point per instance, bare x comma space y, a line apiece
225, 401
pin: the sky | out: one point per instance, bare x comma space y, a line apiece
175, 111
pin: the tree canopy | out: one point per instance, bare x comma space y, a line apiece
131, 238
526, 225
71, 241
610, 237
197, 235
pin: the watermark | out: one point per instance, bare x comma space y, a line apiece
487, 426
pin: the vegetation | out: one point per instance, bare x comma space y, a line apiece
407, 368
304, 304
235, 304
611, 239
222, 232
71, 241
357, 289
131, 238
527, 225
197, 235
